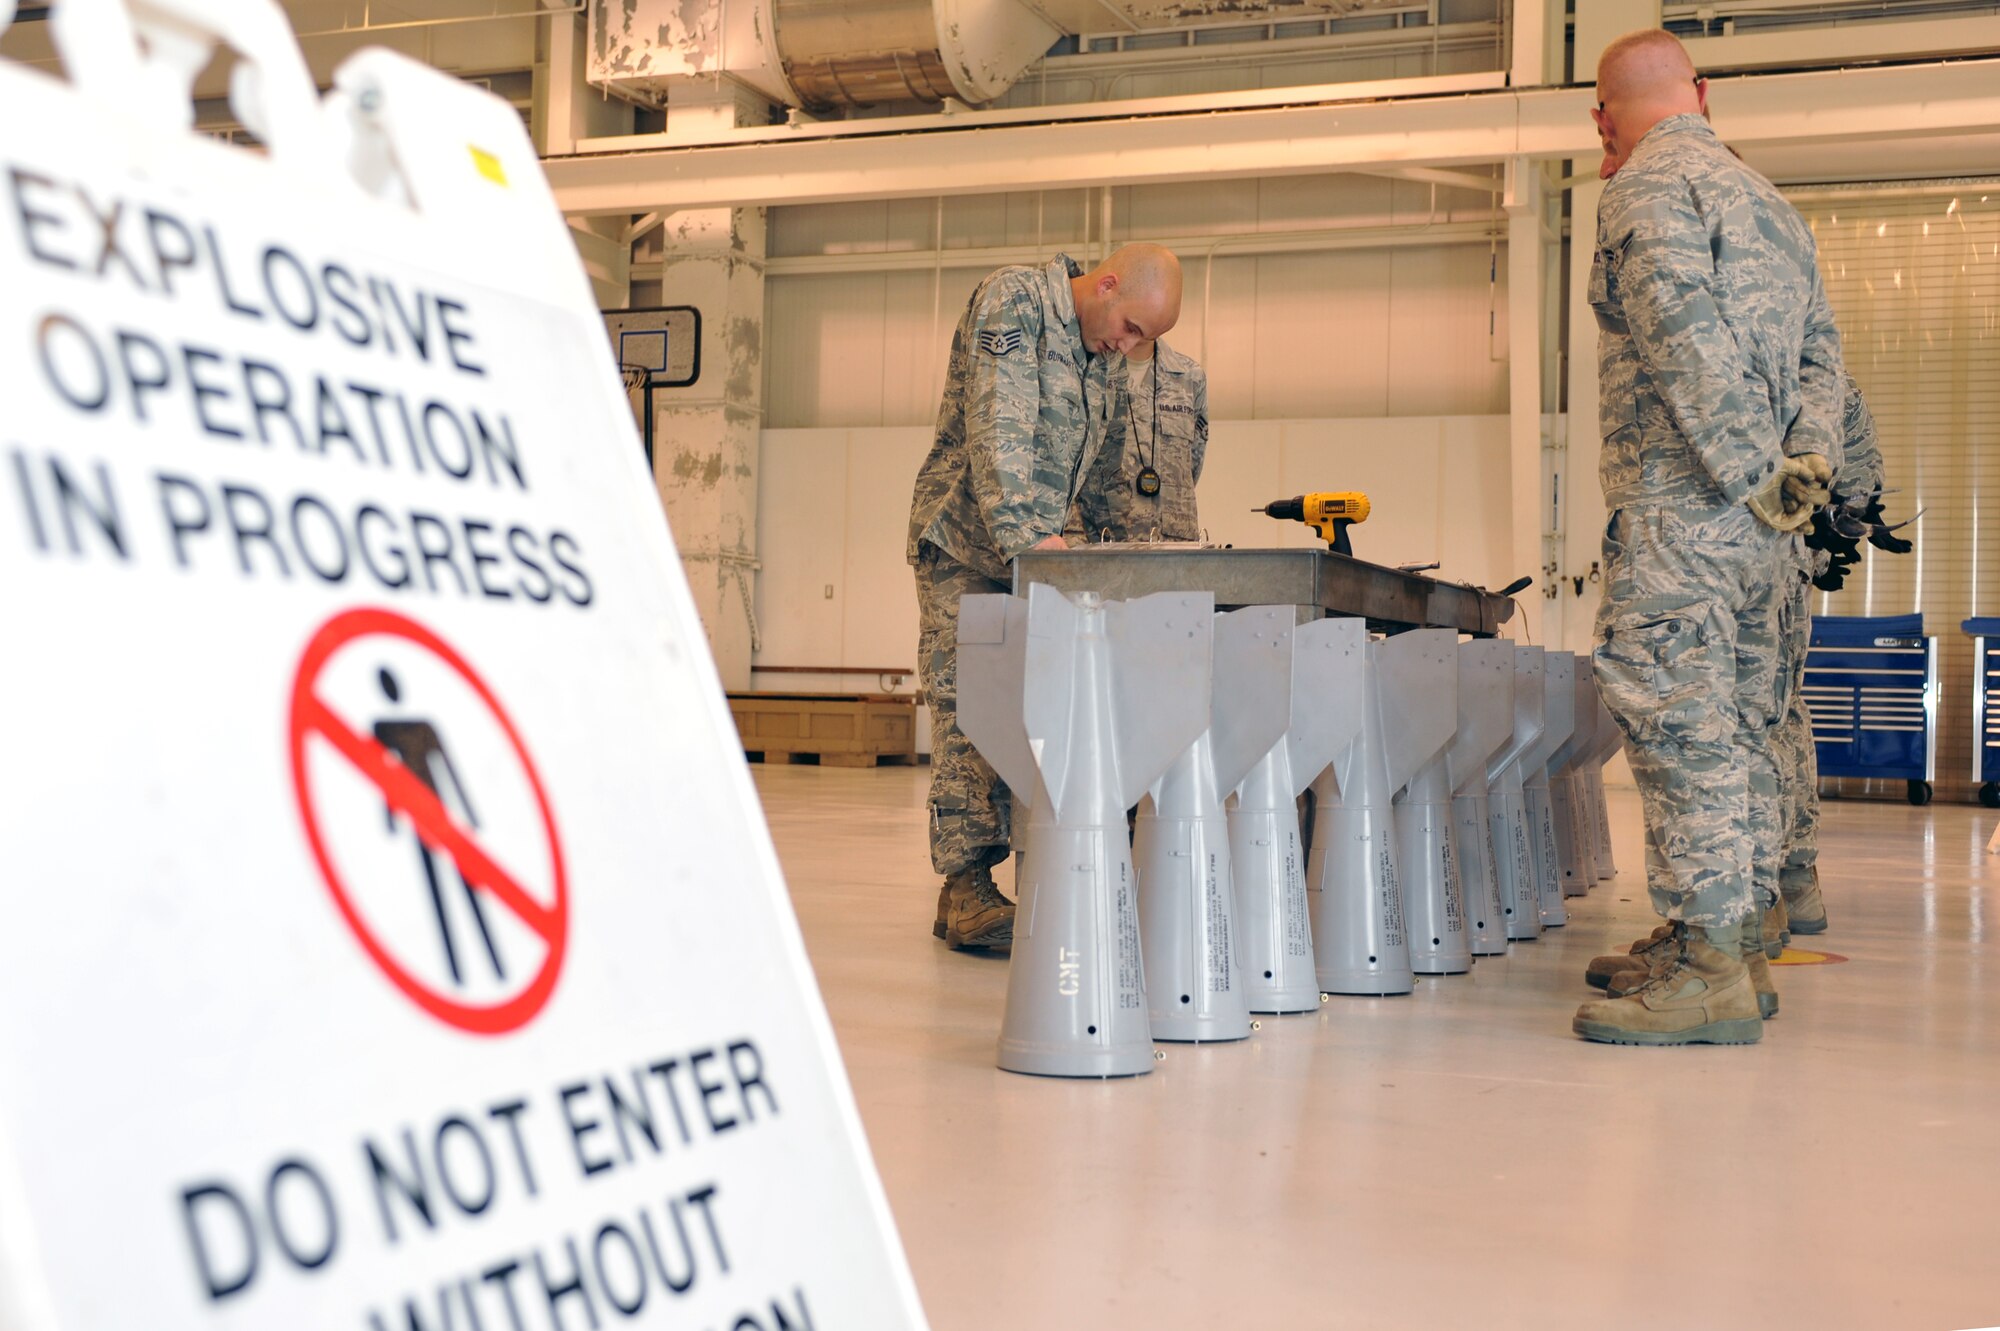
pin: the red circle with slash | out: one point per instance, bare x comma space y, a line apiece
410, 797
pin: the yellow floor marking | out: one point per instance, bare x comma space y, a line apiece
1793, 956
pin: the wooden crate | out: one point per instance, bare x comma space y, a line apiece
843, 729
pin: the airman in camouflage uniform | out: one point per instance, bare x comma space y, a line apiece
1158, 425
1860, 473
1025, 402
1719, 368
1792, 746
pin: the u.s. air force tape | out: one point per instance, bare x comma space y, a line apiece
999, 341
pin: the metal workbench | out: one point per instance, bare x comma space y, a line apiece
1390, 599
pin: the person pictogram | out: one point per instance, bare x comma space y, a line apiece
405, 759
417, 746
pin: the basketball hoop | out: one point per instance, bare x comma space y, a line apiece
635, 376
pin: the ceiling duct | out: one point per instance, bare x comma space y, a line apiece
849, 53
819, 53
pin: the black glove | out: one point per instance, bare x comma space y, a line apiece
1822, 536
1836, 571
1883, 540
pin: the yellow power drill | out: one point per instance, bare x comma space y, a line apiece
1330, 513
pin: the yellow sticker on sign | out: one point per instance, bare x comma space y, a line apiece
489, 165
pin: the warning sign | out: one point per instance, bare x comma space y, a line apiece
402, 755
393, 938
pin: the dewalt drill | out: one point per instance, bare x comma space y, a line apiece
1330, 513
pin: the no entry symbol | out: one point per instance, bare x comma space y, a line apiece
456, 932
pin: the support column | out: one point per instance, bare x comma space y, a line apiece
1583, 515
1597, 23
1538, 43
1584, 507
706, 436
565, 109
1533, 276
698, 107
1530, 337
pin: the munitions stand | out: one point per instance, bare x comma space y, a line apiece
1317, 580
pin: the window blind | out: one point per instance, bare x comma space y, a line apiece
1913, 274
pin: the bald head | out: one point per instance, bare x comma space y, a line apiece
1147, 272
1649, 63
1642, 78
1133, 296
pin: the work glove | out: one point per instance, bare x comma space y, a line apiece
1769, 504
1831, 578
1883, 540
1808, 481
1824, 535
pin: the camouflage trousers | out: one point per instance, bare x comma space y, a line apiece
1792, 742
968, 800
1686, 659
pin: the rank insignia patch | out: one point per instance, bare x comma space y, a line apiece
999, 341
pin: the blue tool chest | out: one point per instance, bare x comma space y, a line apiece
1871, 686
1985, 634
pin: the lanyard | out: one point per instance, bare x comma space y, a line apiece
1148, 482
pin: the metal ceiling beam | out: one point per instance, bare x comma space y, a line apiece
1886, 39
1191, 248
1878, 106
1430, 175
1123, 108
1075, 154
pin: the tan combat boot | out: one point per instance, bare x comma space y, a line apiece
1636, 959
1803, 903
972, 912
1703, 994
1759, 966
1777, 930
939, 929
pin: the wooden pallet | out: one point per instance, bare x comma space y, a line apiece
814, 758
836, 729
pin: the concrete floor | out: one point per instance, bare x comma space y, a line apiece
1452, 1158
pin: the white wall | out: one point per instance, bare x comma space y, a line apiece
833, 510
1415, 329
1380, 368
833, 507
